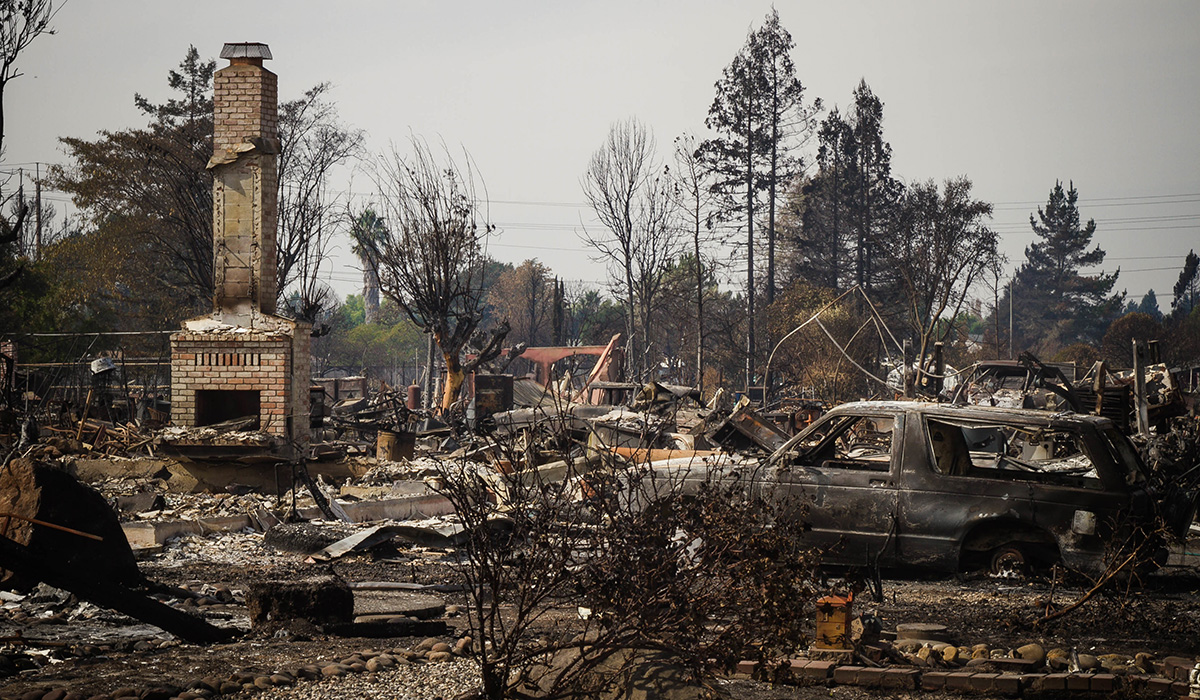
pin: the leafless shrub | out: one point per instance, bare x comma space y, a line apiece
701, 565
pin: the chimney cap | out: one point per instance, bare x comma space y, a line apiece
249, 49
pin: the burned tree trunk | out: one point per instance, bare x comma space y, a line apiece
56, 518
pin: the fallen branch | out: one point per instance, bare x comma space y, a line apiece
1103, 581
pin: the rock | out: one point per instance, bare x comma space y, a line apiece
1111, 661
386, 660
978, 661
229, 688
439, 656
463, 646
125, 692
263, 682
981, 651
333, 670
426, 644
1144, 662
950, 654
56, 694
1088, 662
1058, 659
1031, 652
441, 646
374, 666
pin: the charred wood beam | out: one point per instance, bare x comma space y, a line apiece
17, 558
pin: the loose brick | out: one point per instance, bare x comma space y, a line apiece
900, 678
959, 680
747, 667
869, 677
1078, 681
983, 682
1103, 683
1007, 684
846, 675
810, 670
934, 680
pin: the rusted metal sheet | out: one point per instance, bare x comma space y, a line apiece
743, 425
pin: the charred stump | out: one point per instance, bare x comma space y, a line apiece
58, 519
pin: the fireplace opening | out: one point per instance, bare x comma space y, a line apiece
219, 405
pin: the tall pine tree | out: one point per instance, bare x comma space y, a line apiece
1057, 305
758, 113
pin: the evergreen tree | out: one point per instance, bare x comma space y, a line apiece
1187, 289
1057, 304
1149, 306
874, 193
757, 113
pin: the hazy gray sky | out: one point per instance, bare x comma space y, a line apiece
1012, 94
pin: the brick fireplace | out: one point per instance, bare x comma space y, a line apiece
242, 359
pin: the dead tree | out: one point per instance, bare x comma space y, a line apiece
431, 254
20, 24
700, 571
630, 194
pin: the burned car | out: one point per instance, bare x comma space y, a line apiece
948, 488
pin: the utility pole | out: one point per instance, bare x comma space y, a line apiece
37, 203
1010, 319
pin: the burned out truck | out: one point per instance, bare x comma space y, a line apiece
949, 488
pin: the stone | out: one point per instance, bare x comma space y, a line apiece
229, 688
426, 644
1088, 662
464, 646
374, 665
1031, 652
950, 654
1144, 661
1058, 659
263, 682
333, 670
441, 646
439, 656
981, 651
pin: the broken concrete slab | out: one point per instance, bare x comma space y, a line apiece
379, 604
147, 534
320, 600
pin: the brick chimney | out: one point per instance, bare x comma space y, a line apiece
245, 175
242, 360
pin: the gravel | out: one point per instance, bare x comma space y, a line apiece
417, 681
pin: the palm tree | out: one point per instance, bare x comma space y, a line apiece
368, 231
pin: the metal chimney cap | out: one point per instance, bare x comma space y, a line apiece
249, 49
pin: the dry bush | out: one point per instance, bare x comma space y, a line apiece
700, 566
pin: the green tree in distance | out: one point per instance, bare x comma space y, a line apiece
1187, 289
1058, 304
